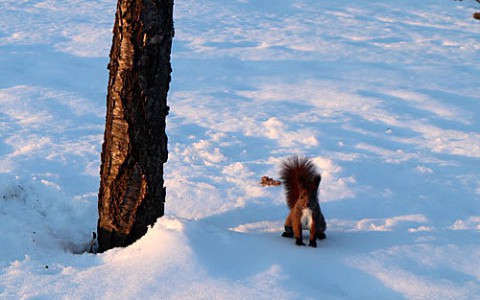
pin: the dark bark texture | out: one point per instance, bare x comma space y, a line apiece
132, 194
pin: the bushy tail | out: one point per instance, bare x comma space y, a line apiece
297, 173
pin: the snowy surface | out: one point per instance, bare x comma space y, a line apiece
383, 96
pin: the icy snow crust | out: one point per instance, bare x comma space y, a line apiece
383, 96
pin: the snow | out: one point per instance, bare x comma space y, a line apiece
383, 97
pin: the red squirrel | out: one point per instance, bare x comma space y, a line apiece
301, 181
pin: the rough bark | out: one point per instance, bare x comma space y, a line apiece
132, 194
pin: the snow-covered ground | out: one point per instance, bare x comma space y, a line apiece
383, 96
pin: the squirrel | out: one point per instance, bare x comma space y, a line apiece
301, 181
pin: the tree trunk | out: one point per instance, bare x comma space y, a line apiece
132, 195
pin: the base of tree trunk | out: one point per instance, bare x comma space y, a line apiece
110, 239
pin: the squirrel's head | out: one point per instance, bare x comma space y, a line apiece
308, 192
303, 199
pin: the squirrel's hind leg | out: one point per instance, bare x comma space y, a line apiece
288, 233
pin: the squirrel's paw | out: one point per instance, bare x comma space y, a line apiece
299, 242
